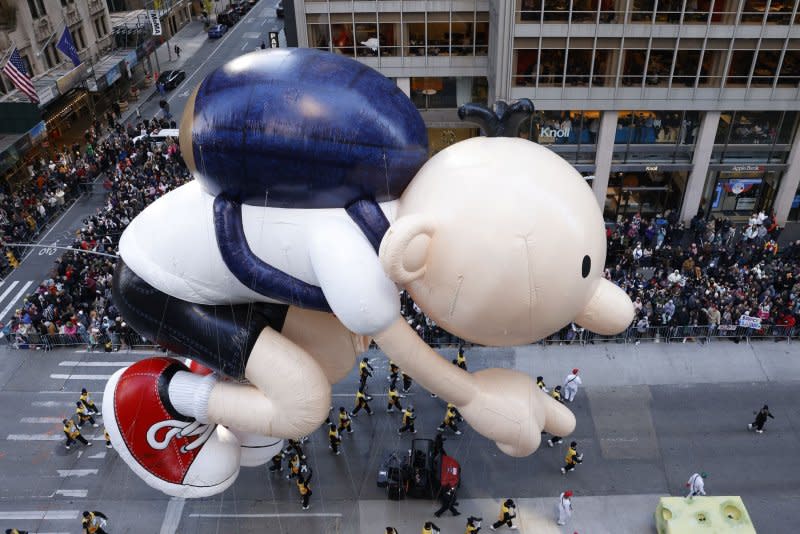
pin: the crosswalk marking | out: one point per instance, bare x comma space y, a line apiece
52, 515
16, 297
98, 456
8, 290
64, 473
81, 493
94, 364
79, 377
41, 419
51, 404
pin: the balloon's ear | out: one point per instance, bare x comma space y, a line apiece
404, 248
609, 310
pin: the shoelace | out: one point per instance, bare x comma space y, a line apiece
180, 429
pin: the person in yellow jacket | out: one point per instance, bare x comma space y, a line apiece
572, 458
430, 528
294, 467
556, 394
541, 385
473, 525
408, 421
73, 434
364, 372
450, 417
362, 401
345, 422
394, 374
94, 522
83, 415
508, 511
461, 359
88, 402
305, 489
334, 439
391, 530
394, 400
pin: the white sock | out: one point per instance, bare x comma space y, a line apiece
189, 393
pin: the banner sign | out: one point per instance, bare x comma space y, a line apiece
155, 21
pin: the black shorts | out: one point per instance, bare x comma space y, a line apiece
219, 337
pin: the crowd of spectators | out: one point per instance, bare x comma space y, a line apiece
708, 273
76, 299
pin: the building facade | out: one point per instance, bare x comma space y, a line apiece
667, 105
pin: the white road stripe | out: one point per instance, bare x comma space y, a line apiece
96, 394
172, 517
149, 352
94, 364
52, 515
73, 493
97, 456
52, 404
15, 299
80, 377
269, 515
46, 437
63, 473
41, 419
8, 290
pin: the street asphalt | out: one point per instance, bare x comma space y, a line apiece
648, 417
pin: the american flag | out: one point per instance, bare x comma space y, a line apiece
15, 69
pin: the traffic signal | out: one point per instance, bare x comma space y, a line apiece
12, 260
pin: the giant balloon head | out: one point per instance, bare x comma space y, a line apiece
514, 251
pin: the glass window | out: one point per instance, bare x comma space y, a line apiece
389, 30
551, 69
604, 71
556, 10
648, 193
686, 68
366, 38
642, 10
738, 193
794, 212
790, 69
342, 39
633, 67
648, 127
530, 10
448, 92
659, 66
739, 70
319, 36
482, 37
766, 67
578, 64
525, 67
751, 127
753, 11
565, 127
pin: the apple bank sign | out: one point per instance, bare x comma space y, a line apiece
554, 133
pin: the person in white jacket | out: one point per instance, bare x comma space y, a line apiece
564, 507
696, 484
571, 384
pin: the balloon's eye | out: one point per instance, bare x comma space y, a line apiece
587, 266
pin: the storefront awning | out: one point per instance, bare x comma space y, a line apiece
108, 70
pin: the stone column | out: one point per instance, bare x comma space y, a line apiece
704, 145
605, 149
788, 188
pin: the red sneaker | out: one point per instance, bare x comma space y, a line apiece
171, 453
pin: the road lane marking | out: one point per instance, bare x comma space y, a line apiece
51, 404
172, 517
79, 377
8, 290
98, 456
64, 473
34, 437
15, 299
94, 364
321, 514
81, 493
41, 419
52, 515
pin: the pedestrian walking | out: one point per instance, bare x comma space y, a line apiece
541, 385
473, 525
334, 439
73, 434
88, 402
461, 359
276, 463
177, 50
696, 484
556, 394
572, 459
394, 401
408, 421
450, 417
394, 374
297, 467
760, 420
407, 382
508, 512
344, 421
83, 415
94, 522
448, 499
364, 372
564, 507
571, 384
362, 401
295, 447
430, 528
304, 489
263, 45
108, 438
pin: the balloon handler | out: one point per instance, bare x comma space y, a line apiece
312, 207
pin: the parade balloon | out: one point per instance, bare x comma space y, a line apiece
312, 206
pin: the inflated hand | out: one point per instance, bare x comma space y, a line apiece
511, 410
